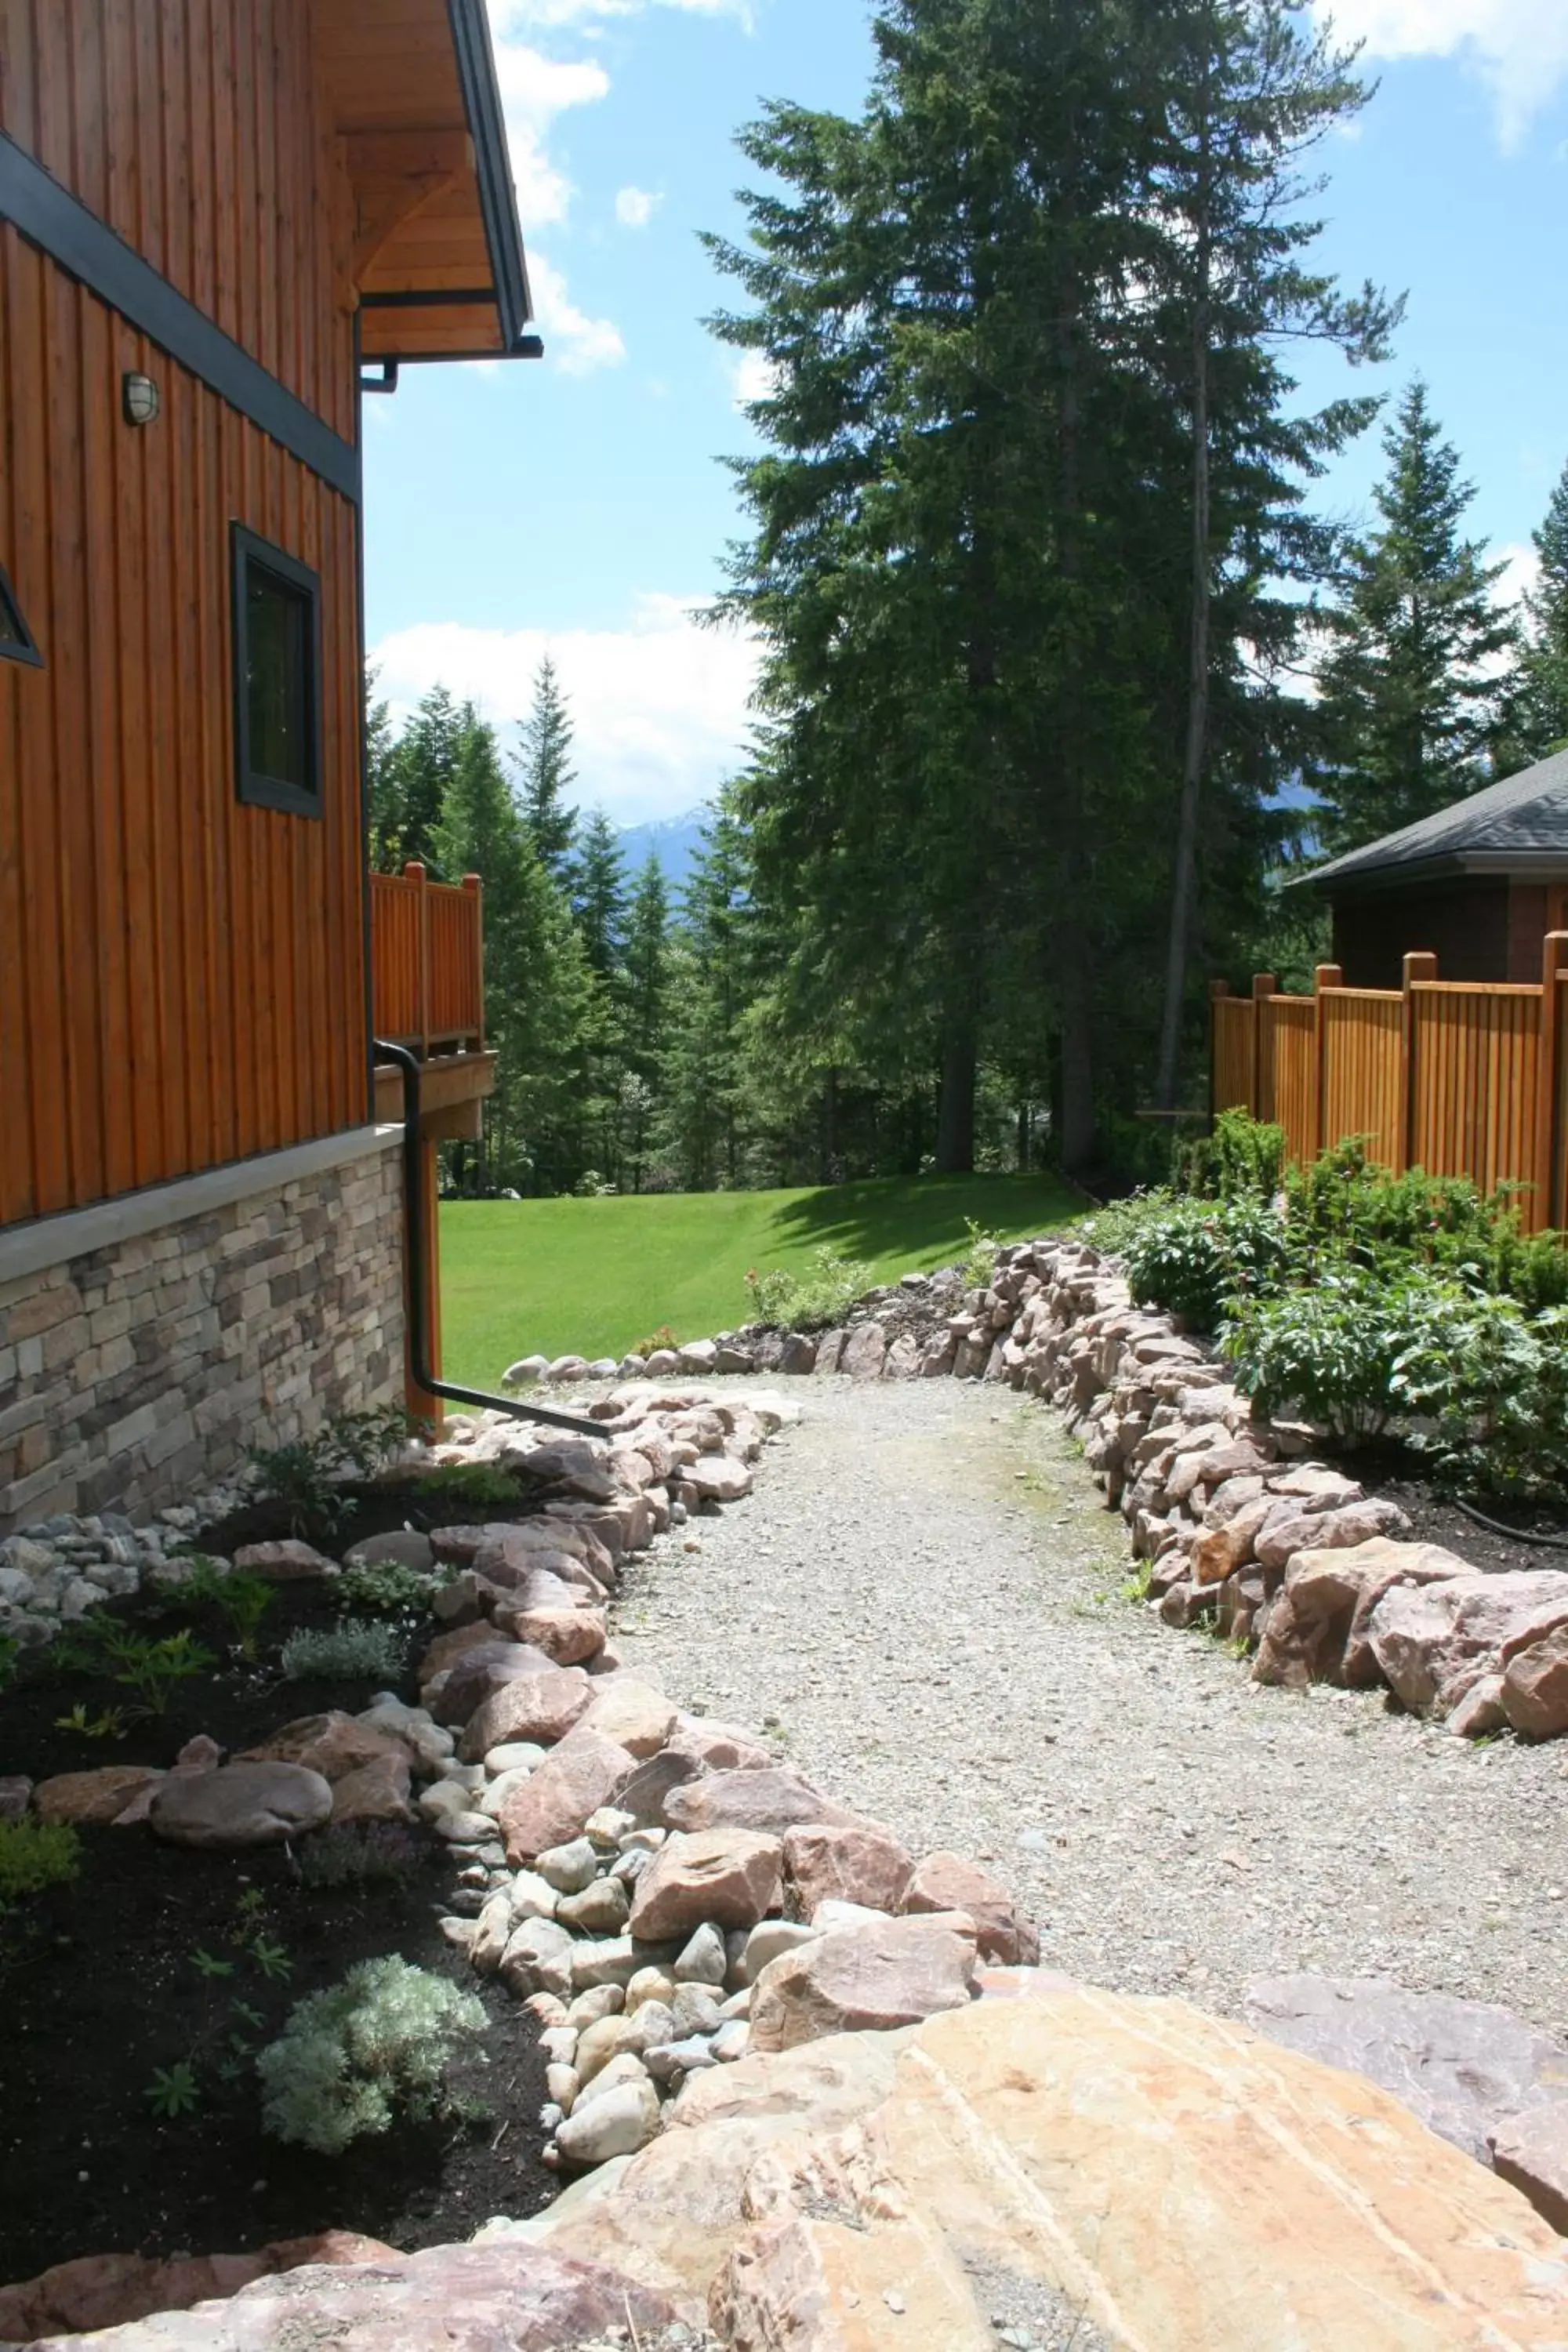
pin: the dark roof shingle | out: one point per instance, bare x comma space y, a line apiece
1524, 816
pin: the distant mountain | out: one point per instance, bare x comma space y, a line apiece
673, 840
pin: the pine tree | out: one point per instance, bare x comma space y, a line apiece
383, 789
596, 880
546, 774
1409, 682
425, 762
1535, 719
702, 1126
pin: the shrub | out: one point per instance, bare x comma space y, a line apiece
1198, 1258
978, 1264
380, 1854
810, 1302
1119, 1224
243, 1599
1347, 1350
468, 1482
366, 2053
304, 1476
355, 1651
384, 1587
1242, 1158
1496, 1385
656, 1341
36, 1854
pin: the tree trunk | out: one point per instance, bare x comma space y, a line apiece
1184, 884
955, 1104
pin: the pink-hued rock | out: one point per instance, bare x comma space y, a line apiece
332, 1744
569, 1636
865, 1351
92, 1798
1534, 1695
1532, 2151
287, 1562
1220, 1551
106, 2290
511, 2294
770, 1799
552, 1806
1317, 1488
1287, 1530
542, 1706
457, 1695
869, 1979
730, 1878
1309, 1634
1434, 1642
947, 1881
1480, 1710
846, 1861
633, 1713
375, 1792
716, 1747
719, 1480
447, 1650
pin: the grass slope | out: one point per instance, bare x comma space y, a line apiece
529, 1277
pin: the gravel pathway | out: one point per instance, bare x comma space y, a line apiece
923, 1604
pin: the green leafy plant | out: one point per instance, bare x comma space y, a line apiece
364, 2053
1495, 1385
978, 1263
1243, 1159
175, 2091
356, 1651
809, 1302
1341, 1350
480, 1483
152, 1668
305, 1477
1197, 1258
110, 1723
36, 1854
384, 1587
243, 1599
655, 1342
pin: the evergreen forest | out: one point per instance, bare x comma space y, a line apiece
1068, 671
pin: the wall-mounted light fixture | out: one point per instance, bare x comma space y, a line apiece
138, 399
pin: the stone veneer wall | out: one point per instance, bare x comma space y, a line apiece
140, 1367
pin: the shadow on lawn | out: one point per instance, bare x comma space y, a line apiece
874, 1221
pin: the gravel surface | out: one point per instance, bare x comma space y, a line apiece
923, 1604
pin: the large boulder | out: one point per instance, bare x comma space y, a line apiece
1129, 2173
542, 1706
769, 1799
1328, 1592
105, 2290
729, 1877
634, 1715
1461, 2066
92, 1798
1433, 1641
1534, 1693
1532, 2151
333, 1745
448, 2299
553, 1804
870, 1978
947, 1881
848, 1862
241, 1805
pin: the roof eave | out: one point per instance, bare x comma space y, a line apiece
1527, 865
492, 164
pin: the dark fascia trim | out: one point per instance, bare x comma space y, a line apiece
529, 347
10, 650
50, 217
1458, 866
498, 196
432, 298
251, 785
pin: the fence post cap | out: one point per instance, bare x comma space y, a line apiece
1420, 964
1264, 984
414, 870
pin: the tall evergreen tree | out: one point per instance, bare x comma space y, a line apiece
545, 773
1409, 681
596, 880
384, 790
1535, 718
424, 764
702, 1127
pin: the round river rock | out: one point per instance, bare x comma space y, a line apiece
241, 1805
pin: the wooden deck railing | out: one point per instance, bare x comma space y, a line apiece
1461, 1078
427, 954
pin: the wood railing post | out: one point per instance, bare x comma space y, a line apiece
1218, 991
1327, 975
1550, 1096
472, 883
1418, 965
1263, 984
414, 872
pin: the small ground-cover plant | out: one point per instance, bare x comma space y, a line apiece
36, 1854
978, 1263
359, 1650
381, 1854
480, 1483
152, 1668
366, 2053
226, 2044
811, 1301
242, 1599
384, 1587
306, 1476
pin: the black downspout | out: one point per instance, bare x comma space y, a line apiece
414, 1220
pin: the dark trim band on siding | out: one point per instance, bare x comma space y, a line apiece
50, 217
498, 196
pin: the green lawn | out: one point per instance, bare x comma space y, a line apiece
543, 1277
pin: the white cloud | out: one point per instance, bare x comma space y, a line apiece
1519, 46
534, 90
513, 15
753, 376
635, 207
573, 342
659, 707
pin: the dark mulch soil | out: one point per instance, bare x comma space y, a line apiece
99, 1989
1435, 1517
376, 1510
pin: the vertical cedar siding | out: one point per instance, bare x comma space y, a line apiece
182, 978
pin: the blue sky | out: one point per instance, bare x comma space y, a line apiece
578, 504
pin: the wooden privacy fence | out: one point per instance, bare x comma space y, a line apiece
1461, 1078
427, 954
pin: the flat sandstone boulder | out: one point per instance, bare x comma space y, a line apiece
729, 1877
770, 1799
241, 1805
869, 1979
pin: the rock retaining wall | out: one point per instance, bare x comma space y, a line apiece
145, 1367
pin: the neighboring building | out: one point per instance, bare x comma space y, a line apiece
1480, 886
220, 221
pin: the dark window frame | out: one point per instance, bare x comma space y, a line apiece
27, 649
253, 785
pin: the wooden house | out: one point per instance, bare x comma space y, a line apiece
1480, 886
222, 223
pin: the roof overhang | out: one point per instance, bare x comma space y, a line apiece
413, 97
1505, 865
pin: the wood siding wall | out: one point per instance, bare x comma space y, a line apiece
197, 129
182, 978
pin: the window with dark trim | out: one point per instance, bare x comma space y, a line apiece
18, 641
276, 676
